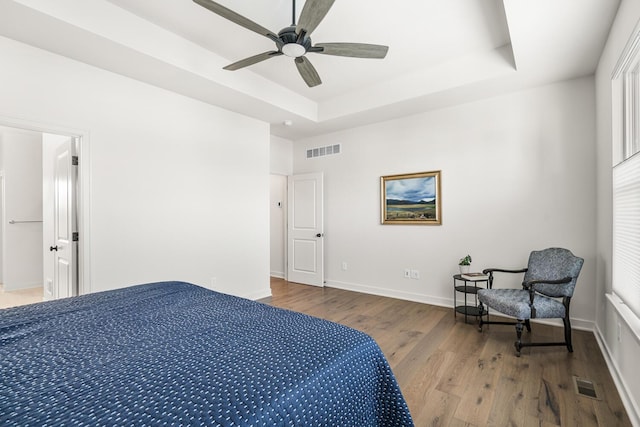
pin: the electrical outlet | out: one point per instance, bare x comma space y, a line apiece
415, 274
407, 273
345, 267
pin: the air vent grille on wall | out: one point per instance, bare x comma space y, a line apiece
323, 151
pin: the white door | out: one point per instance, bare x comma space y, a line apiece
64, 246
305, 229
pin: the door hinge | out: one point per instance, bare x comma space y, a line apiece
75, 236
74, 160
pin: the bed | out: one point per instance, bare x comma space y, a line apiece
173, 353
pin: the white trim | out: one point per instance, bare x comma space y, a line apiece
631, 406
629, 52
257, 295
408, 296
578, 324
632, 321
84, 186
625, 91
22, 286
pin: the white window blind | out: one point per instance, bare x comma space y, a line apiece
626, 232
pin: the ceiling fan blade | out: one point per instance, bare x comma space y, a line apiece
355, 50
236, 18
312, 14
308, 71
252, 60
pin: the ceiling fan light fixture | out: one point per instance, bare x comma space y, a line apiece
294, 41
293, 50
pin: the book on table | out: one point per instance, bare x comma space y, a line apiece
474, 276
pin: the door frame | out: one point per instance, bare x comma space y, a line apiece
319, 200
82, 192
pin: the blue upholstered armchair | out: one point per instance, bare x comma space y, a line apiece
547, 288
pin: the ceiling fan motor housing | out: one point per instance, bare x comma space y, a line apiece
288, 35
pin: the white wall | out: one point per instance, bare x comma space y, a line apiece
280, 156
22, 242
517, 175
621, 353
179, 189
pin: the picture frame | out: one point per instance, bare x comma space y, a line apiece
413, 198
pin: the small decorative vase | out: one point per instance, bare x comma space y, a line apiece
464, 269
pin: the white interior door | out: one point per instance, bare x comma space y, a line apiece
64, 247
305, 229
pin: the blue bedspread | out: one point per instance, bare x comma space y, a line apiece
173, 353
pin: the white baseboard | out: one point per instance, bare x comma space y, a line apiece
629, 403
277, 274
257, 295
580, 324
20, 286
391, 293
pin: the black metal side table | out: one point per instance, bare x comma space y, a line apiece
468, 286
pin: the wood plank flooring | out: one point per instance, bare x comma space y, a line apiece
453, 375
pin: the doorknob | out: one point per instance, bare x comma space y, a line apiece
53, 248
319, 235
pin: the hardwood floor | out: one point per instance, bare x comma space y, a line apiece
453, 375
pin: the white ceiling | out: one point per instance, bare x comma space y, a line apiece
441, 53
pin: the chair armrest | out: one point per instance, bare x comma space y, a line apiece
490, 272
529, 283
502, 270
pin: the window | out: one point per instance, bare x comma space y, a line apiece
626, 176
631, 110
626, 232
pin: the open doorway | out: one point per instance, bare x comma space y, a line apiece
296, 229
30, 211
278, 226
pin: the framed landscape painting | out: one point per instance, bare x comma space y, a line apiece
412, 198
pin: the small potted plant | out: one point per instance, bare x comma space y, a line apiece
465, 264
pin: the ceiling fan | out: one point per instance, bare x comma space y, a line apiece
294, 41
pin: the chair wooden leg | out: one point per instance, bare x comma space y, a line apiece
528, 325
481, 312
518, 343
567, 333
